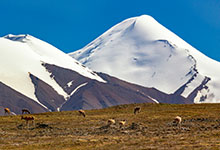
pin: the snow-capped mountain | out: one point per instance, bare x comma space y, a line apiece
23, 56
40, 77
142, 51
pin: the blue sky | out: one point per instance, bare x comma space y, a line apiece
71, 24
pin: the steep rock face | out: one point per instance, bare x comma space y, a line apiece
46, 94
66, 78
9, 98
85, 93
142, 51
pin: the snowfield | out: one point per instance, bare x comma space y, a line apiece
140, 50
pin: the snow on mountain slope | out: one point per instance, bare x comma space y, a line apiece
24, 54
142, 51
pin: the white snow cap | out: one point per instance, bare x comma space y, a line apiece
142, 51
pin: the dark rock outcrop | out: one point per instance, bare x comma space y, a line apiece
46, 94
92, 94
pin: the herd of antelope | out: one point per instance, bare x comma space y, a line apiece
177, 120
23, 111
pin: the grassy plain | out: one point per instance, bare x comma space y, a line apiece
152, 128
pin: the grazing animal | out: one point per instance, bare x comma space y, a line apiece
28, 119
82, 112
25, 111
122, 123
177, 120
137, 110
7, 111
111, 121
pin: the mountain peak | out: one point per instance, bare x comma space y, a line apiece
144, 18
142, 51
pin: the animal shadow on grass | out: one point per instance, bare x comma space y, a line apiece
37, 126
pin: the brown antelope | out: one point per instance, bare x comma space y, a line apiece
25, 111
82, 112
7, 111
111, 121
137, 110
177, 120
122, 123
27, 119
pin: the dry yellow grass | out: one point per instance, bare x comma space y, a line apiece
152, 128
